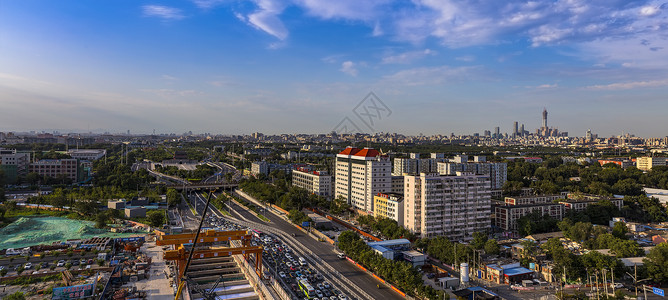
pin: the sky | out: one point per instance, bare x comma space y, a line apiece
309, 66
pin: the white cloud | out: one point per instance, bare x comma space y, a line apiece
161, 11
649, 11
349, 68
629, 85
168, 77
266, 18
431, 75
407, 57
366, 10
208, 4
543, 86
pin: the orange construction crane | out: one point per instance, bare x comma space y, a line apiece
208, 236
181, 255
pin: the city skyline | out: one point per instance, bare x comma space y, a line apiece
302, 66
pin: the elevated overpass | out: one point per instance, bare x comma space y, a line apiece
203, 186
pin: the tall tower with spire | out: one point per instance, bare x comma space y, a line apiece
544, 117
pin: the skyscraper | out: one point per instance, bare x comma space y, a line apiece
515, 130
544, 118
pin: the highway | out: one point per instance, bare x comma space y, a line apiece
341, 272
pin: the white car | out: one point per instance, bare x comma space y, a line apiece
60, 263
27, 266
282, 274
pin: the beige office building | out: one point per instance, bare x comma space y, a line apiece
646, 163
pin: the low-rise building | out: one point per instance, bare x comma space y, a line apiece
646, 163
316, 182
580, 202
135, 212
389, 206
87, 154
506, 216
56, 167
118, 204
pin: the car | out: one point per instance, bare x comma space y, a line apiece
288, 264
618, 285
36, 272
327, 293
60, 263
341, 256
45, 264
27, 266
326, 285
88, 267
320, 286
282, 274
342, 297
83, 261
75, 262
319, 293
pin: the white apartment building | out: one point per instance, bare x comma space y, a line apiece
451, 206
316, 182
497, 172
415, 165
360, 175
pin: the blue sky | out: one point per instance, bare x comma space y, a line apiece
301, 66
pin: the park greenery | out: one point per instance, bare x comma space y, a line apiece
398, 273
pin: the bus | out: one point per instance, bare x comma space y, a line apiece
307, 288
257, 233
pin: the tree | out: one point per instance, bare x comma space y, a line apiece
479, 240
492, 247
173, 197
656, 263
620, 230
101, 220
156, 218
3, 272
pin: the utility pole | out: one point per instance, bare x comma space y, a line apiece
635, 278
597, 293
605, 281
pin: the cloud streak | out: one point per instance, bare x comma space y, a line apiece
163, 12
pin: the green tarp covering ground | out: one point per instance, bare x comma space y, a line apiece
29, 231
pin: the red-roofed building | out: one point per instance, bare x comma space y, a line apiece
360, 175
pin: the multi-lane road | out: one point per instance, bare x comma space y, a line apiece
358, 283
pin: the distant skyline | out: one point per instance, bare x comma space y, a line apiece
302, 66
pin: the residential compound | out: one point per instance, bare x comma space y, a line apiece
316, 182
497, 172
445, 205
360, 175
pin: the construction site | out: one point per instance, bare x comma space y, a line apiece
223, 265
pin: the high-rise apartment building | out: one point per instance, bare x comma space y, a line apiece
360, 175
415, 165
451, 206
389, 206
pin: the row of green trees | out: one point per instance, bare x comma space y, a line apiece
282, 194
399, 273
388, 228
